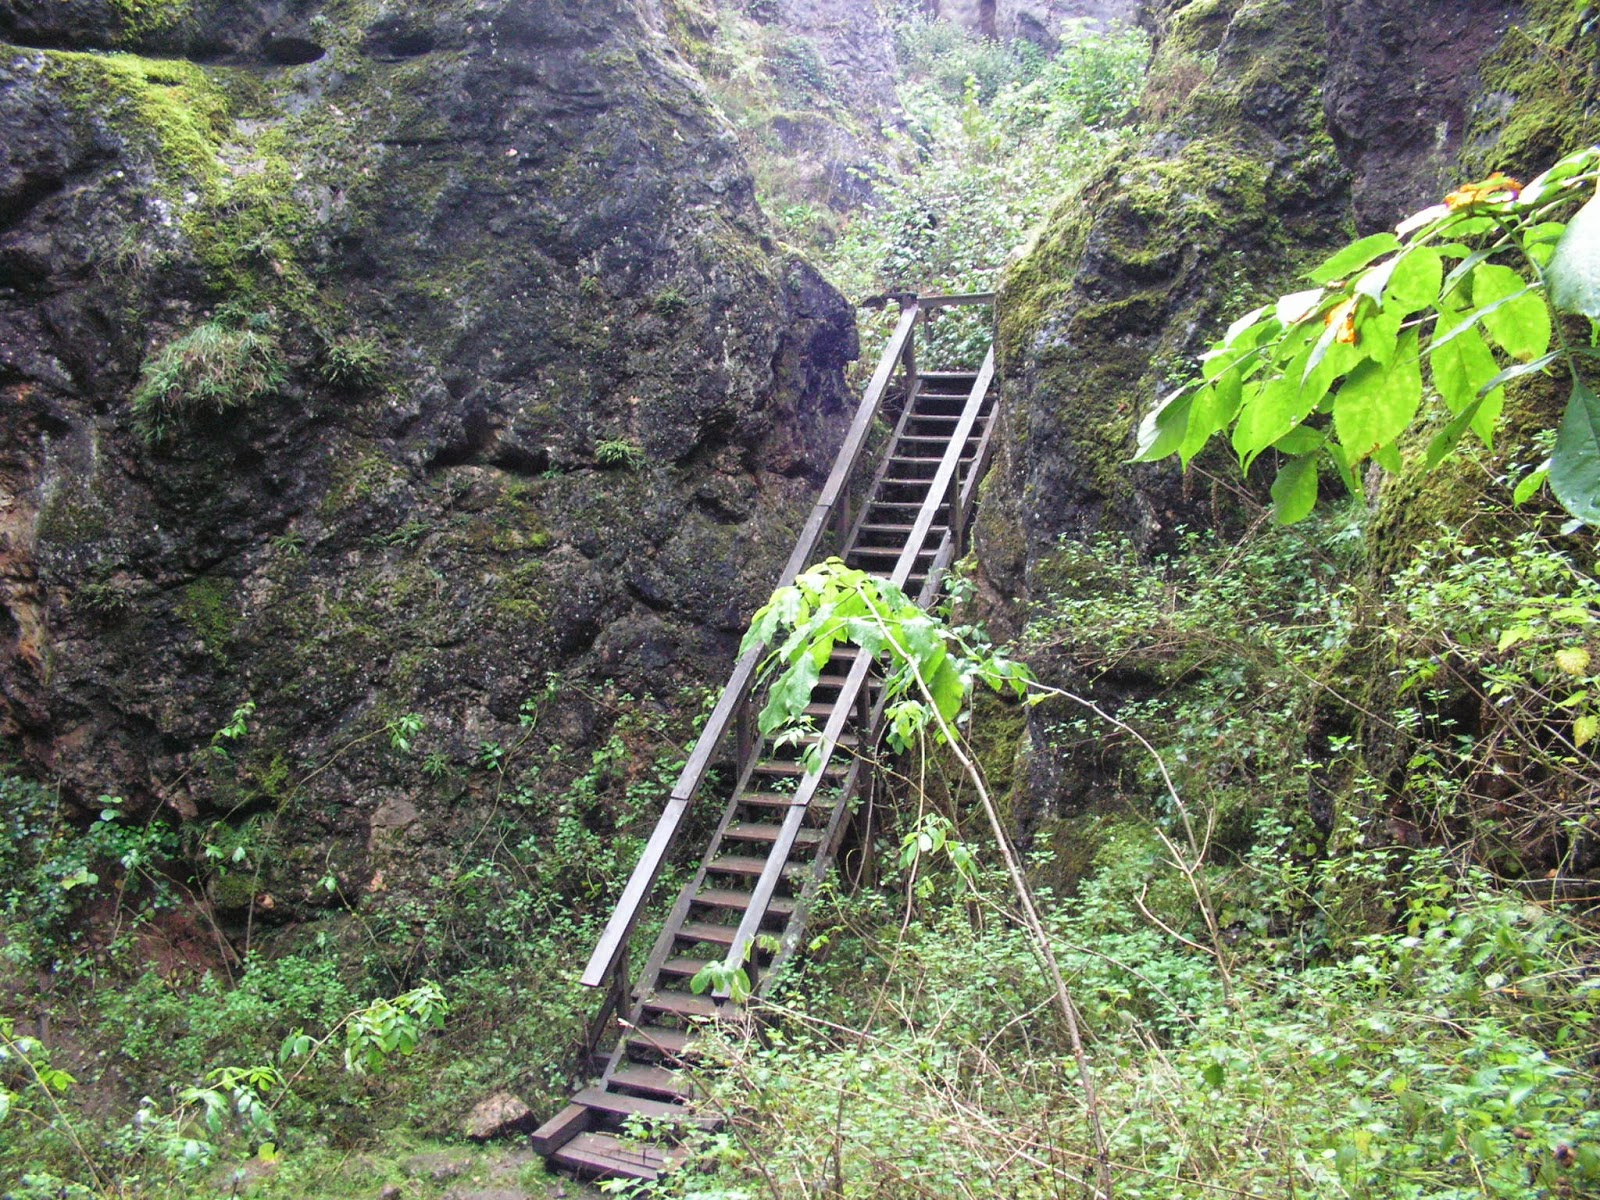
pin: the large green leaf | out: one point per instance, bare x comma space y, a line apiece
1460, 369
1575, 464
1514, 314
1573, 275
1272, 411
1162, 430
1378, 401
1294, 491
1211, 411
1415, 282
1354, 256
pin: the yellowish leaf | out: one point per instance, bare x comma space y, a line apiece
1574, 660
1584, 729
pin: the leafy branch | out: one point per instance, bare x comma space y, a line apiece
1475, 286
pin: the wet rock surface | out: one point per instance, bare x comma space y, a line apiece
544, 383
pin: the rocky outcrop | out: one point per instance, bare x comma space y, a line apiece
541, 396
1040, 21
1277, 131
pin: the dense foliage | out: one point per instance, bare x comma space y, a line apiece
1334, 374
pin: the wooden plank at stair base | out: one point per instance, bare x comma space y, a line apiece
561, 1129
637, 1106
604, 1154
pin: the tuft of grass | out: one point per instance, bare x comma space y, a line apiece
217, 367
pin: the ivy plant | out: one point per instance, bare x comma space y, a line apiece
1461, 299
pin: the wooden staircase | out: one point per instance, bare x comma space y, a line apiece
780, 828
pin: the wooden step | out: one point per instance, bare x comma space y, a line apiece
728, 898
749, 831
890, 552
685, 967
683, 1004
607, 1154
670, 1043
775, 766
780, 801
747, 864
561, 1129
658, 1081
622, 1105
704, 931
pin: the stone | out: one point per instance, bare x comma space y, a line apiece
499, 1116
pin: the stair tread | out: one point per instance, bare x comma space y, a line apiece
682, 964
561, 1128
673, 1042
604, 1154
729, 898
681, 1004
745, 864
751, 831
705, 931
661, 1080
774, 766
782, 801
624, 1105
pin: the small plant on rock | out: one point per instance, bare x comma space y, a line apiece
352, 364
623, 453
229, 362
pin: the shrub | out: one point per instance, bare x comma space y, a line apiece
217, 367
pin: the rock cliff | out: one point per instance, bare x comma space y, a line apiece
462, 356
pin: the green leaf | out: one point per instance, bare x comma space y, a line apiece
1378, 401
1214, 407
1573, 275
1294, 491
1415, 281
1530, 483
1164, 428
1513, 312
1271, 409
1446, 440
1460, 370
1302, 439
1575, 464
1354, 256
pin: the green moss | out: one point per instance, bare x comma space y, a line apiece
171, 108
73, 516
1544, 73
207, 609
522, 593
359, 479
139, 18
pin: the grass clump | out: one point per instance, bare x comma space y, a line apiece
352, 364
224, 364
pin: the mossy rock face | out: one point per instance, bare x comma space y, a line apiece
532, 218
1278, 132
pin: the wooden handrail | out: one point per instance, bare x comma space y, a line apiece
929, 303
641, 883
